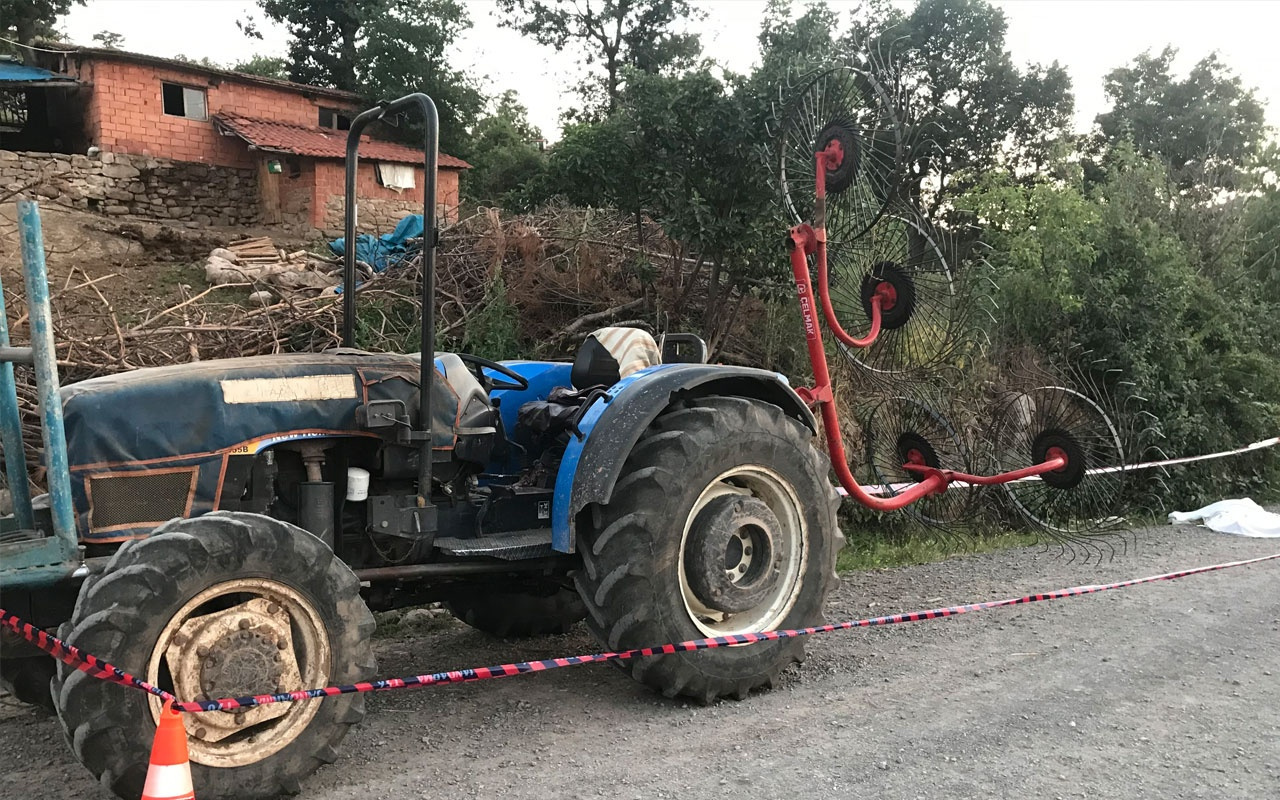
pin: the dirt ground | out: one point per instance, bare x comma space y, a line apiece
140, 264
1167, 690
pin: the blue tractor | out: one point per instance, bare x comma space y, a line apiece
224, 528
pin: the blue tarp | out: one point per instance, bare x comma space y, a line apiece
383, 251
13, 72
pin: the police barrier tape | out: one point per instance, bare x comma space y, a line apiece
98, 668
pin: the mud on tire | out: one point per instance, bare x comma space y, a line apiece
121, 615
720, 459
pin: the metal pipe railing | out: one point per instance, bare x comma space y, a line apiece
427, 348
15, 458
46, 366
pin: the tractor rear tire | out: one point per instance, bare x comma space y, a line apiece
655, 560
259, 587
517, 615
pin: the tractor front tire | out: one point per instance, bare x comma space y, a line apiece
227, 604
508, 614
722, 521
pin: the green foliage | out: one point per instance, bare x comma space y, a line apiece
28, 20
202, 61
592, 165
697, 139
616, 35
1207, 117
264, 66
109, 39
982, 111
392, 322
1118, 271
871, 548
507, 155
382, 49
493, 332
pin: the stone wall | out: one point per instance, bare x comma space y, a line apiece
376, 216
118, 184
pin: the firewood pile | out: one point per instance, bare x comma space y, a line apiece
259, 262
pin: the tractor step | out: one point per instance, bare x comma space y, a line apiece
511, 546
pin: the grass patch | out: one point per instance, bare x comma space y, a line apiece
868, 549
168, 277
411, 622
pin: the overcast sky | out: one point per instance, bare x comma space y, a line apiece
1089, 37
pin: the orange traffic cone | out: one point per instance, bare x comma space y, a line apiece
169, 774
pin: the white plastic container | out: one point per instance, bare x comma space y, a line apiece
357, 484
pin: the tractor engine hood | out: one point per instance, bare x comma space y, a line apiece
177, 426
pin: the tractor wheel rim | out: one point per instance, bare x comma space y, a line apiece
232, 639
789, 541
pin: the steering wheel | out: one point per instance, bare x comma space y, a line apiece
476, 363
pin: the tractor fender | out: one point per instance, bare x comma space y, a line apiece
613, 425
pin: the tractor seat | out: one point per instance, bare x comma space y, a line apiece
611, 354
606, 357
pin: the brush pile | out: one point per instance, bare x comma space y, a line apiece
530, 286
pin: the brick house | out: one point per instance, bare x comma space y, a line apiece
272, 149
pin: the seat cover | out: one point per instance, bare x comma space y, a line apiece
611, 354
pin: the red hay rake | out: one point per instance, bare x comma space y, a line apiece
874, 277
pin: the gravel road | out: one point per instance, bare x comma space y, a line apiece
1168, 690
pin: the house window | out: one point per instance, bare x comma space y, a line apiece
335, 119
184, 101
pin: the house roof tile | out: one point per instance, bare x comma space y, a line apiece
317, 142
70, 52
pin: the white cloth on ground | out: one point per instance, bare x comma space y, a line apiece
1241, 517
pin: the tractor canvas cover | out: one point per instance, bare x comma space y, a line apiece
154, 444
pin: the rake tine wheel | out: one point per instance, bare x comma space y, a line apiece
899, 430
1082, 500
876, 243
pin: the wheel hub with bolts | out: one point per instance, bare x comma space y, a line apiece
242, 637
244, 650
732, 559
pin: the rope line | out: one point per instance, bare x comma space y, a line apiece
102, 670
67, 51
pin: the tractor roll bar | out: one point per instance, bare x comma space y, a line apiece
427, 347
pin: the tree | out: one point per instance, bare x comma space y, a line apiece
264, 66
978, 107
109, 39
381, 49
968, 97
1113, 267
507, 153
24, 21
616, 34
1209, 118
682, 150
